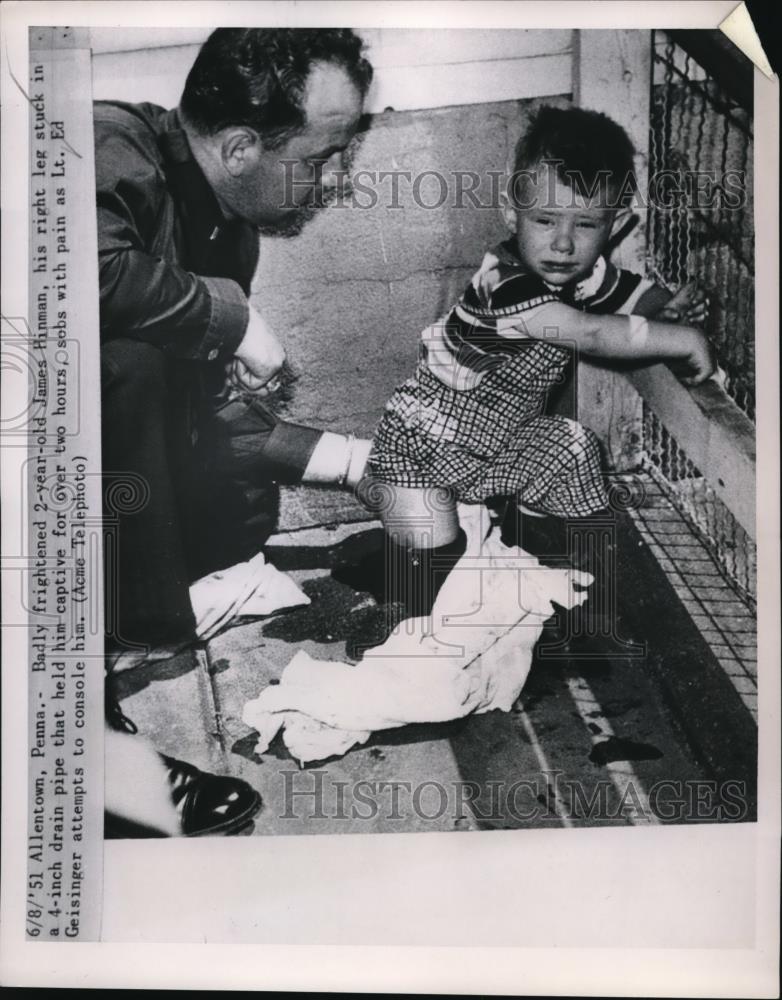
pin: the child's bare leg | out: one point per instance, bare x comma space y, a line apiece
421, 518
423, 544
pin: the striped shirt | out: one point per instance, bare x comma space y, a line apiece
487, 325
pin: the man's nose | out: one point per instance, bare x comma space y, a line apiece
563, 237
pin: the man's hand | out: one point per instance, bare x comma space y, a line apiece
259, 356
690, 305
699, 363
239, 376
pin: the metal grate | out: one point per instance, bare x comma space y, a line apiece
698, 132
701, 507
726, 620
701, 206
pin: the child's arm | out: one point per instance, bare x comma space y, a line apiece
631, 338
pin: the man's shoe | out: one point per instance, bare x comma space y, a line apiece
210, 805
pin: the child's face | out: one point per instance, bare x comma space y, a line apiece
559, 233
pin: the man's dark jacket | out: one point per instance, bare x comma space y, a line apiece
176, 274
173, 271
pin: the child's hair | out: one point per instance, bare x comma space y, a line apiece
591, 152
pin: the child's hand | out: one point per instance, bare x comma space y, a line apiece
699, 363
690, 305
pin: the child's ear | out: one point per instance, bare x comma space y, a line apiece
509, 211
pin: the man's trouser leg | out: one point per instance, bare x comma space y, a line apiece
245, 454
144, 440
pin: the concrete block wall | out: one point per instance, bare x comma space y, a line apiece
350, 295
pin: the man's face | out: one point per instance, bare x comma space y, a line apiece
279, 189
559, 234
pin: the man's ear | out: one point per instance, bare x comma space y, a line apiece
509, 211
239, 148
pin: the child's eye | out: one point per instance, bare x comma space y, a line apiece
587, 225
542, 221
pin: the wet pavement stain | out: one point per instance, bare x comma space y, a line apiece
131, 682
219, 666
572, 660
278, 750
417, 732
616, 748
531, 697
330, 617
592, 668
613, 707
351, 557
245, 747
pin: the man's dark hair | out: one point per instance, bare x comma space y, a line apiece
591, 152
257, 77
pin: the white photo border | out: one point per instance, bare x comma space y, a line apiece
340, 898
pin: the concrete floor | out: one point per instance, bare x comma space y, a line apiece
599, 730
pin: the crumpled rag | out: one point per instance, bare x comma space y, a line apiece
254, 587
473, 655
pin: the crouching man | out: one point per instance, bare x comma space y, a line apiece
191, 456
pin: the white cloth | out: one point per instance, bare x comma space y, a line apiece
249, 588
475, 657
